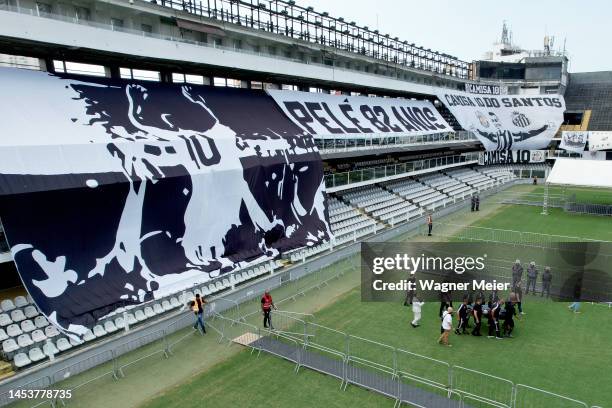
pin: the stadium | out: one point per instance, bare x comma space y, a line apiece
195, 196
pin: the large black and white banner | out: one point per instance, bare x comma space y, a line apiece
507, 122
600, 140
333, 116
511, 157
115, 192
574, 141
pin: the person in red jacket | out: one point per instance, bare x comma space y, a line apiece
266, 307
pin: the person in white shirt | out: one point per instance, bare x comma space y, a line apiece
416, 310
447, 326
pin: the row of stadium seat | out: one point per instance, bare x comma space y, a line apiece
18, 303
417, 197
29, 341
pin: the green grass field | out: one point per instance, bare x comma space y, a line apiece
553, 349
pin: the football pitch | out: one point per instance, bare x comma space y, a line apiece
553, 349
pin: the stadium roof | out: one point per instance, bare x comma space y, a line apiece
575, 172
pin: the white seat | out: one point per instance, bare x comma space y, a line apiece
149, 313
119, 323
75, 341
110, 327
50, 349
140, 316
99, 331
5, 319
63, 344
38, 336
89, 336
51, 331
13, 330
7, 305
30, 300
158, 309
219, 286
17, 315
165, 305
41, 321
21, 360
36, 354
27, 326
174, 302
205, 290
131, 319
24, 340
30, 311
21, 301
212, 288
9, 346
226, 283
3, 335
245, 276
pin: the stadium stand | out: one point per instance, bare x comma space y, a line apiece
472, 178
381, 204
27, 337
591, 91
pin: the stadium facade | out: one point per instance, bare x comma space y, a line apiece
376, 185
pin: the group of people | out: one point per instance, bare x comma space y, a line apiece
197, 307
532, 278
499, 313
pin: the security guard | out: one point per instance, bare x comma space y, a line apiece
266, 307
546, 281
532, 277
517, 272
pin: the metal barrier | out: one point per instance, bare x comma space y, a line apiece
279, 348
484, 387
329, 342
473, 233
425, 369
38, 384
367, 356
408, 393
150, 345
531, 397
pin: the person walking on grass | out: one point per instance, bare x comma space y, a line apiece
266, 307
429, 224
494, 314
197, 307
510, 312
447, 326
575, 307
477, 312
518, 291
417, 305
462, 315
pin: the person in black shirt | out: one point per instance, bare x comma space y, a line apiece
494, 319
445, 301
462, 314
477, 313
509, 316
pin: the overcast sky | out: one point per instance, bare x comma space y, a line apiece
466, 29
